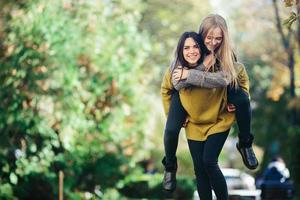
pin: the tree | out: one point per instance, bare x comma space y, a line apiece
290, 48
72, 95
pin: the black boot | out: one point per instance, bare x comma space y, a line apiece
248, 155
169, 181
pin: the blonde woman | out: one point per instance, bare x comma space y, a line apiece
209, 121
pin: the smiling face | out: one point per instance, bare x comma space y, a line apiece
191, 51
213, 39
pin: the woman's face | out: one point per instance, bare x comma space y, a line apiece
191, 51
213, 39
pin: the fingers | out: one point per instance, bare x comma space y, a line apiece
176, 74
230, 107
176, 77
185, 123
179, 73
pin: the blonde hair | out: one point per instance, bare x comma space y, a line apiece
224, 53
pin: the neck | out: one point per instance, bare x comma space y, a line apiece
193, 65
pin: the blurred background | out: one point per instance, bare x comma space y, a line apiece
80, 109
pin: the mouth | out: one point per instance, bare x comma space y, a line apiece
193, 57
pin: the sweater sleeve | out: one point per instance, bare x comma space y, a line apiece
166, 91
200, 78
243, 78
204, 79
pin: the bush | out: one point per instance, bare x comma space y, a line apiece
150, 186
35, 186
72, 81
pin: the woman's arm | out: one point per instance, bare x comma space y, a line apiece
201, 79
199, 76
217, 79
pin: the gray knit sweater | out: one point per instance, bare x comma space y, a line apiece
200, 78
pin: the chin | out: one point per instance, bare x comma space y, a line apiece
193, 65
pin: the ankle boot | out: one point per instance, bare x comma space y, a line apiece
248, 155
169, 180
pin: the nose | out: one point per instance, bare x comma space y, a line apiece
191, 50
214, 42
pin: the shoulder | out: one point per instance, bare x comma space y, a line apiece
239, 66
167, 73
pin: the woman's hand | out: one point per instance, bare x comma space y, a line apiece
180, 73
230, 107
185, 123
209, 61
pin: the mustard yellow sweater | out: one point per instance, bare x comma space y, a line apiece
206, 108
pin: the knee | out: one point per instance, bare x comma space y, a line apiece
172, 131
241, 100
209, 165
198, 168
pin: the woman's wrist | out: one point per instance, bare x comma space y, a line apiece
185, 74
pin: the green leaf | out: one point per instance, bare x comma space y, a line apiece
13, 178
6, 191
290, 20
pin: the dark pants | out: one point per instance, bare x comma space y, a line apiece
240, 99
175, 120
205, 156
177, 116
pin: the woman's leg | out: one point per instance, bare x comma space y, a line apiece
175, 120
211, 152
239, 98
202, 179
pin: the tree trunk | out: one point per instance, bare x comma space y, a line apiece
290, 50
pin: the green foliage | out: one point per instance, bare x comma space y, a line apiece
274, 129
293, 15
150, 186
6, 192
36, 186
72, 94
291, 19
292, 154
